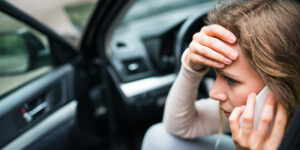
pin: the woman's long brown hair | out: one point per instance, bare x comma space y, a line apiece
268, 33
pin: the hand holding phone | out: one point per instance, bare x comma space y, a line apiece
268, 121
259, 105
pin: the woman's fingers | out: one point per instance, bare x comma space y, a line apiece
220, 32
214, 46
266, 117
278, 128
265, 121
248, 117
260, 138
217, 45
247, 125
214, 33
208, 53
198, 59
234, 121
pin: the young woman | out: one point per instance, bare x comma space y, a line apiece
250, 44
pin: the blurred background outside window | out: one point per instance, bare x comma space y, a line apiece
67, 18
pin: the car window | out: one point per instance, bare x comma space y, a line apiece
67, 18
24, 54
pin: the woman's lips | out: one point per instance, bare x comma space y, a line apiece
227, 114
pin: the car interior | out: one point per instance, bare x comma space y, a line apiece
103, 89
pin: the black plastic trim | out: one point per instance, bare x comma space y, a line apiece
94, 37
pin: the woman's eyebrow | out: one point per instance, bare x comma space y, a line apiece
227, 74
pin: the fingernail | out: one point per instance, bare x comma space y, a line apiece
227, 61
232, 38
233, 55
221, 65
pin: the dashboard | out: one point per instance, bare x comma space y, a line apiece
142, 55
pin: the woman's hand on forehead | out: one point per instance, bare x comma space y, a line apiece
212, 46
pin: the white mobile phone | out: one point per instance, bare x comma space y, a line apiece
259, 105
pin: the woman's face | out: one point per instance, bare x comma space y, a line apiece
234, 83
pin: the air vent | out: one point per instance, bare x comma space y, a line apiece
135, 66
121, 44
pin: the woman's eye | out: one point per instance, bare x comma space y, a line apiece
230, 81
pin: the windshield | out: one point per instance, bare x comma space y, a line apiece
143, 8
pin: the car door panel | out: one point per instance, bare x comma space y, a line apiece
35, 109
57, 138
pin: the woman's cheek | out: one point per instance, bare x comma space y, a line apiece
239, 96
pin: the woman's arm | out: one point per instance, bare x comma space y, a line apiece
185, 117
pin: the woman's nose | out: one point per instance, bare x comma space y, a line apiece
217, 92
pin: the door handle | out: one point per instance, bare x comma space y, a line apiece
28, 116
